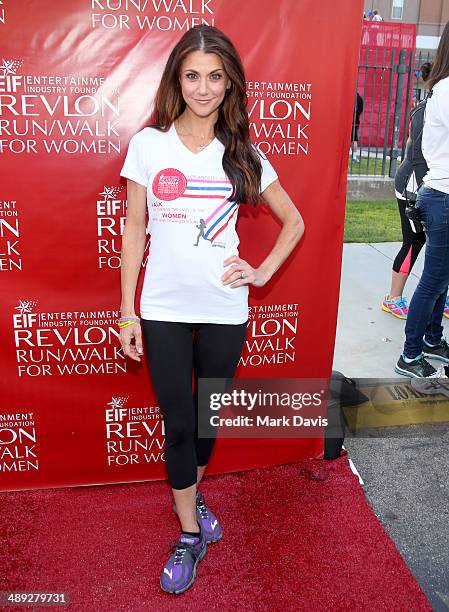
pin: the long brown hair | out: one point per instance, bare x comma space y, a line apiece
440, 68
241, 162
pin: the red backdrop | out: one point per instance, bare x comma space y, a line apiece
77, 80
379, 39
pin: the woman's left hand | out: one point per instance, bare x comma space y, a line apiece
233, 276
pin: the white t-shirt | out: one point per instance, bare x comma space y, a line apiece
435, 137
192, 228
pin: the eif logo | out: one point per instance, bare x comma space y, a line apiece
117, 407
24, 317
110, 193
9, 81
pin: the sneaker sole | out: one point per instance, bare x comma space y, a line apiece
406, 373
385, 309
437, 357
192, 580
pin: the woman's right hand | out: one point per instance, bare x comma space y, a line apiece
127, 334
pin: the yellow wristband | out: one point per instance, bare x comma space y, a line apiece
126, 323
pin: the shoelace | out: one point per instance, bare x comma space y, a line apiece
402, 303
202, 507
180, 550
440, 373
179, 554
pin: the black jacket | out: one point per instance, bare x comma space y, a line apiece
414, 159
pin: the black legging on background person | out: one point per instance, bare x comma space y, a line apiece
411, 243
408, 176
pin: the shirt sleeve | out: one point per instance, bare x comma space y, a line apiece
135, 167
268, 172
441, 101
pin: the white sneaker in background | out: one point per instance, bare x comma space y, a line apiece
442, 372
436, 384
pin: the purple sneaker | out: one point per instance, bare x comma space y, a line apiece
208, 521
179, 572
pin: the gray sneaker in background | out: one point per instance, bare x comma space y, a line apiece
437, 384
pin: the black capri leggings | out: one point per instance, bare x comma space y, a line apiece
173, 351
411, 244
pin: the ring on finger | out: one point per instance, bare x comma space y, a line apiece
242, 274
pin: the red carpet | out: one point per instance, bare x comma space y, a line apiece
296, 537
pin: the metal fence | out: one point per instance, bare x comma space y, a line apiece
390, 83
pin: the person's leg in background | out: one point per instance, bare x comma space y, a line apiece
412, 243
354, 144
434, 330
427, 304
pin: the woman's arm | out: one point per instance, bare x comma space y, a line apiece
292, 229
133, 247
416, 129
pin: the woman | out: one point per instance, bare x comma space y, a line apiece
423, 330
192, 168
408, 177
358, 110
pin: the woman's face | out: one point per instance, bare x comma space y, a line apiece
203, 82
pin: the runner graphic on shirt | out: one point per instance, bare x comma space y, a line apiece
212, 227
201, 227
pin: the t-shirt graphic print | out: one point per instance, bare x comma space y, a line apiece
171, 184
192, 224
